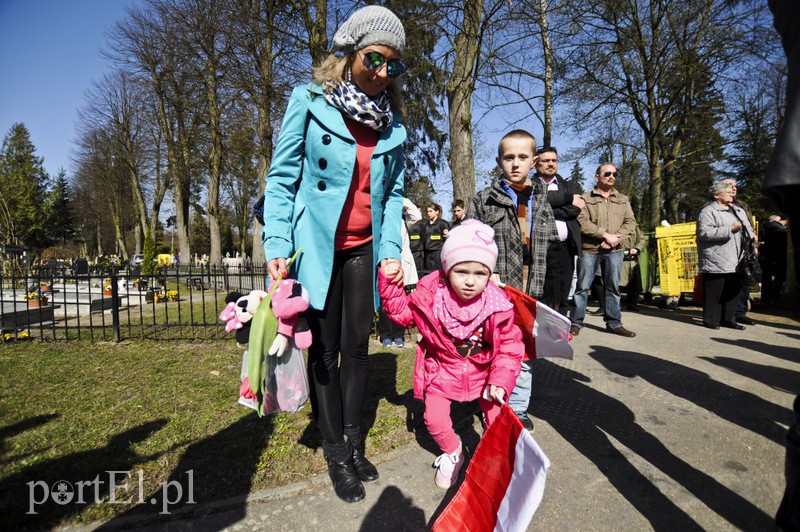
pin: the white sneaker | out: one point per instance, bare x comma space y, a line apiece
448, 466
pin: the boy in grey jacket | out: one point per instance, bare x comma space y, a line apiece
524, 225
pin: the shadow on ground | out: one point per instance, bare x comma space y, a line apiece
9, 431
586, 418
393, 511
742, 408
789, 354
20, 492
220, 466
782, 379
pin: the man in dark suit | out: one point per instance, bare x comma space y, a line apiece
565, 199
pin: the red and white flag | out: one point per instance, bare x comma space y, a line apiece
545, 332
504, 482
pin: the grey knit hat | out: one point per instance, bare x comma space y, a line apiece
370, 25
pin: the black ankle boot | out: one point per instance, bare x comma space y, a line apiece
345, 481
364, 468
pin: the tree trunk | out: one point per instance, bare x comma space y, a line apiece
162, 184
137, 238
119, 231
264, 159
214, 165
547, 50
317, 33
139, 203
655, 168
459, 98
182, 218
99, 236
264, 130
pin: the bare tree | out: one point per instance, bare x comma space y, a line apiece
159, 178
117, 104
513, 78
632, 57
205, 39
460, 87
314, 16
241, 179
102, 180
262, 36
146, 42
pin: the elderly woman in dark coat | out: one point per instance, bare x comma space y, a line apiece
719, 246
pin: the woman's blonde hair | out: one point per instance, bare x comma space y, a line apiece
335, 68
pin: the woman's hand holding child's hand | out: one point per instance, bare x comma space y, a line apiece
392, 270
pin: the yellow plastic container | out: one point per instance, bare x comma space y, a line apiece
164, 259
677, 258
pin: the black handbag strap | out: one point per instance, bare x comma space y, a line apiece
746, 240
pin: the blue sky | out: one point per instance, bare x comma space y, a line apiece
50, 55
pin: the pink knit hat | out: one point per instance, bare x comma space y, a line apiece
470, 241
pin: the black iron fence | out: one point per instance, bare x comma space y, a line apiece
178, 303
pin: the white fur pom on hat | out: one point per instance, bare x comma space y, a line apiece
370, 25
471, 241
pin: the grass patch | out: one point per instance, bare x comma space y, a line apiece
75, 410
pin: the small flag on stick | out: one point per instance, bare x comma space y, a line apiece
545, 332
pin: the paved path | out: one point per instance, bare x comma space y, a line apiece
680, 428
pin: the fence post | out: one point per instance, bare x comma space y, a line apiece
115, 303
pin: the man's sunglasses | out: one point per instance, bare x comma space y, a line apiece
375, 60
606, 174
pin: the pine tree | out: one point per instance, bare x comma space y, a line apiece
576, 175
61, 220
752, 146
23, 184
149, 259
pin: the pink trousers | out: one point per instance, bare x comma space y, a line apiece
440, 426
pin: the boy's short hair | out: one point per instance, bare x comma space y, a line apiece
517, 134
458, 203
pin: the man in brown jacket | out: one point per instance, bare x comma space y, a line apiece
605, 223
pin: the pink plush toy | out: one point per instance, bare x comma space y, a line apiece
289, 301
239, 311
228, 315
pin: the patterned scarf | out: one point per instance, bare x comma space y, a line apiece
459, 319
349, 99
524, 192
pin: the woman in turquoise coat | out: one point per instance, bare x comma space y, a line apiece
335, 189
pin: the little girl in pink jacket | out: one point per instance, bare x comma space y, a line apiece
470, 347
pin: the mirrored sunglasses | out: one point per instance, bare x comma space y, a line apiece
375, 60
